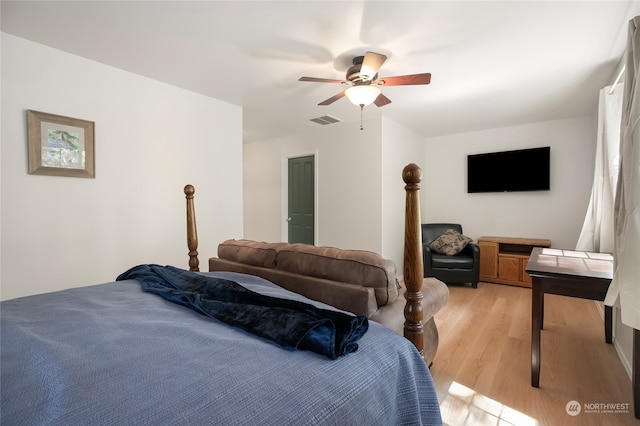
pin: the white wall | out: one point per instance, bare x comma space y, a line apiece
557, 214
348, 185
360, 200
355, 211
151, 140
400, 147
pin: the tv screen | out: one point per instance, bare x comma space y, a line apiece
509, 171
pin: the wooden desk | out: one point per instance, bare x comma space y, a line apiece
567, 273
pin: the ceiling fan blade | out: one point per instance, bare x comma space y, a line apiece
405, 80
332, 99
370, 65
382, 100
321, 80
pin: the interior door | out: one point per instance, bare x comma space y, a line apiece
301, 200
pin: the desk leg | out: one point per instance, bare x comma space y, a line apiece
536, 324
542, 312
608, 324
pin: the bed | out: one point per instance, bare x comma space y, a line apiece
116, 353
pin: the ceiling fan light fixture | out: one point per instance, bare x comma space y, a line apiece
362, 95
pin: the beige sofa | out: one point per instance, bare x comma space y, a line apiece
357, 281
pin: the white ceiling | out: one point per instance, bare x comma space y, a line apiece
493, 63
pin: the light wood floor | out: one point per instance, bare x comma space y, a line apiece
482, 370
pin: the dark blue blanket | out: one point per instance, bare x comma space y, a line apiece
289, 323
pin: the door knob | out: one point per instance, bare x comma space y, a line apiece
289, 219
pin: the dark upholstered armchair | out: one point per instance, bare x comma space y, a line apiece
461, 268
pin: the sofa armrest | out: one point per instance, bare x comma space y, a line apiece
391, 315
434, 296
472, 249
426, 260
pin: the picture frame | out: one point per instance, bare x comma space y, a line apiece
60, 146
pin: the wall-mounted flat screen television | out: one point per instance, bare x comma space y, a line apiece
509, 171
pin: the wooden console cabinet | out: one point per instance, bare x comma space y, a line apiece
503, 260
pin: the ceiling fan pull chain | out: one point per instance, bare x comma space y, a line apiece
361, 110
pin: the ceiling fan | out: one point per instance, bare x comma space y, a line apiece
364, 82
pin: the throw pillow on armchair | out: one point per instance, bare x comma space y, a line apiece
451, 242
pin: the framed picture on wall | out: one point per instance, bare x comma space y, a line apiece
60, 146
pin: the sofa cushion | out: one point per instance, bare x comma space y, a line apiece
256, 253
359, 267
451, 242
451, 262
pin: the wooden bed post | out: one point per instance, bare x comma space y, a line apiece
192, 233
413, 264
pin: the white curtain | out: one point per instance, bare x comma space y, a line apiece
598, 229
624, 290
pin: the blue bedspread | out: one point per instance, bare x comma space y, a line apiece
112, 354
289, 323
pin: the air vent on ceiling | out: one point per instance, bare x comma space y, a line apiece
326, 119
